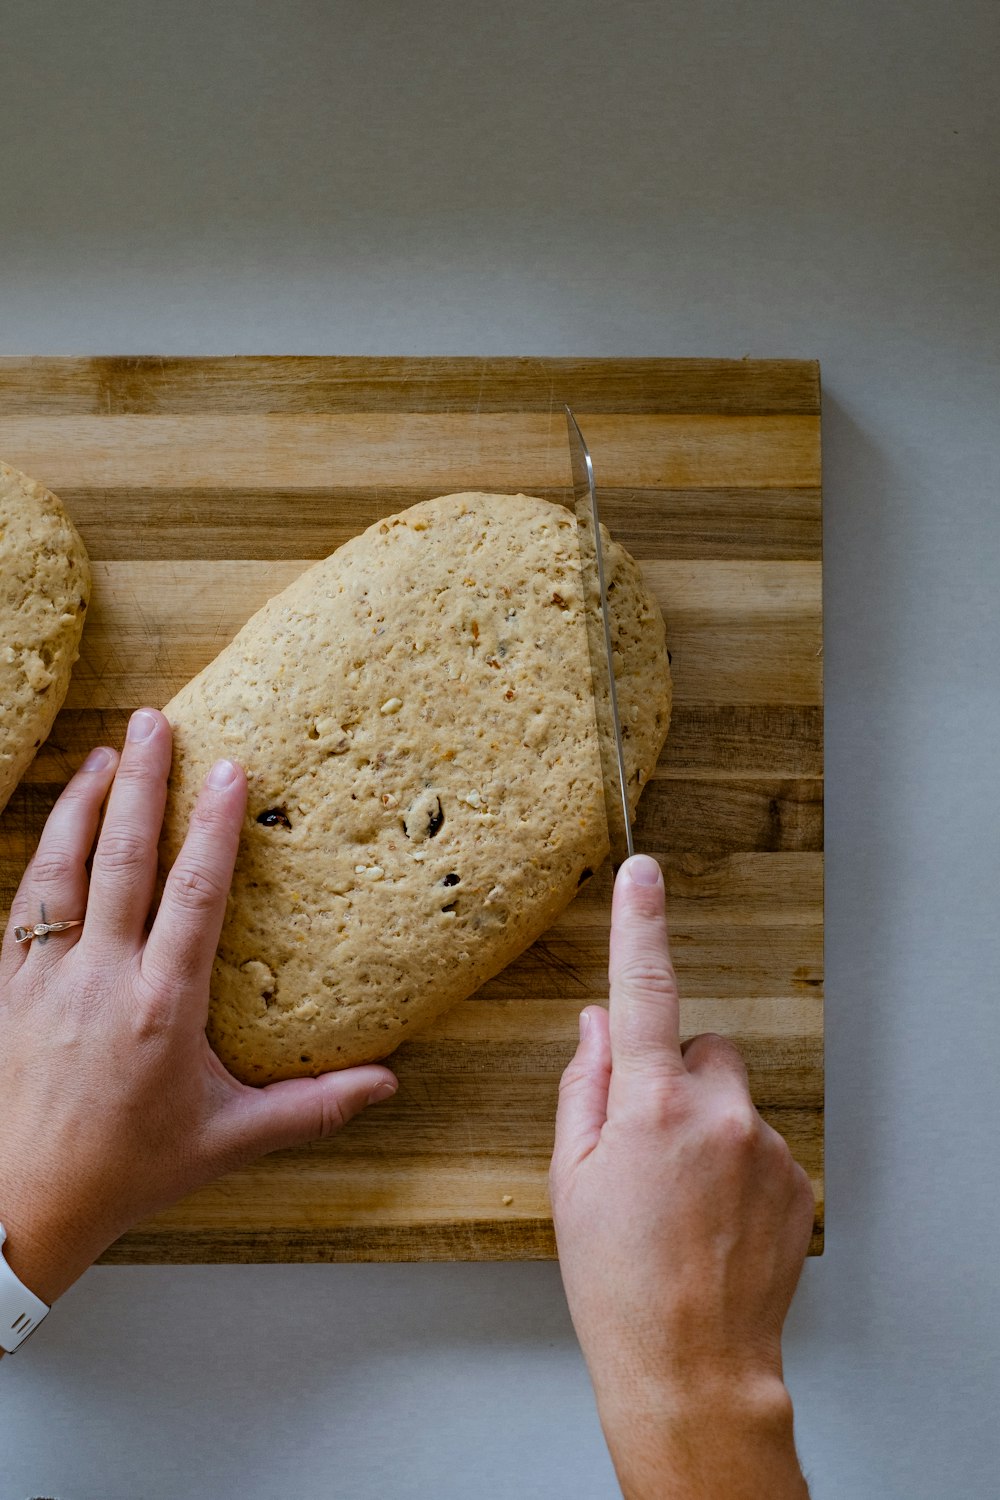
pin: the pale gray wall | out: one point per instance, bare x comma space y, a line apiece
788, 177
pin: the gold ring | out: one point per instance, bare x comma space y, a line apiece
42, 929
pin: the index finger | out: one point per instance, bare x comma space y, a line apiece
644, 1004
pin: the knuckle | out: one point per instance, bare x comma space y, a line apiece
804, 1189
776, 1141
640, 1043
78, 794
209, 817
122, 851
709, 1040
140, 1014
573, 1079
720, 1056
800, 1205
782, 1151
720, 1047
53, 865
153, 1020
156, 978
648, 974
330, 1115
662, 1101
193, 888
737, 1126
134, 769
654, 1097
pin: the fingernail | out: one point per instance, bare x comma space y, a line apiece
383, 1090
98, 760
643, 870
141, 726
584, 1023
222, 774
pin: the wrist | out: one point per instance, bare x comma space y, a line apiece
717, 1431
44, 1255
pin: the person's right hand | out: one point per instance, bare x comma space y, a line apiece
682, 1223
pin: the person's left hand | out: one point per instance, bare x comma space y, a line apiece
114, 1105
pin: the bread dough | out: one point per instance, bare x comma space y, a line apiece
416, 719
44, 593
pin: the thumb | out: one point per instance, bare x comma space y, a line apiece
583, 1093
300, 1110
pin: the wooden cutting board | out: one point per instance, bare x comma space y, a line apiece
201, 487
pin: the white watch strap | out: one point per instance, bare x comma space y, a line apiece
20, 1310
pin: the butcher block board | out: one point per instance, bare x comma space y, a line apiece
203, 486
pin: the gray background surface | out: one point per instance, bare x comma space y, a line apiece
783, 178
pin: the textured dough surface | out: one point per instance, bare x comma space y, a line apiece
416, 720
44, 593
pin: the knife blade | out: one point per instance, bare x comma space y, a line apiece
599, 644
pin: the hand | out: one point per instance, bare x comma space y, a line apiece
114, 1105
682, 1222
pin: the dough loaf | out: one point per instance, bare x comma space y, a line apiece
44, 593
416, 720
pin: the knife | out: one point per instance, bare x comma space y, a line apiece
595, 593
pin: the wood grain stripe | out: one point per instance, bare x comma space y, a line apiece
230, 522
712, 819
265, 1196
509, 451
709, 819
374, 1208
122, 386
738, 632
714, 740
521, 1238
226, 592
752, 961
